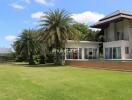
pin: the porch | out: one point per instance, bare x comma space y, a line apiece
82, 50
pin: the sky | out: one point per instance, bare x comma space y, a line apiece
16, 15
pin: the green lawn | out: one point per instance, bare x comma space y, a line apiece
23, 82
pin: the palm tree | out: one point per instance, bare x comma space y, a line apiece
57, 26
83, 28
26, 45
90, 36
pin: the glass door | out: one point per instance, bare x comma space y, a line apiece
116, 53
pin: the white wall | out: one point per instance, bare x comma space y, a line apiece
81, 45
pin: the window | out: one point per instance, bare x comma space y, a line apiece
126, 50
119, 31
90, 53
106, 35
113, 53
119, 36
130, 24
118, 50
95, 53
86, 53
80, 53
74, 53
108, 53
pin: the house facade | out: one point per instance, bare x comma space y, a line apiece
81, 50
117, 30
6, 54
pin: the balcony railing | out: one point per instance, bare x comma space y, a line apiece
118, 43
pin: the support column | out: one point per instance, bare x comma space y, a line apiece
65, 54
123, 52
82, 53
103, 51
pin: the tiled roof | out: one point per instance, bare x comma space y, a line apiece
117, 13
113, 16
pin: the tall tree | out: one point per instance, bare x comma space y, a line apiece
90, 36
26, 45
87, 33
84, 29
57, 26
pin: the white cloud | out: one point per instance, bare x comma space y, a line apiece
45, 2
10, 38
87, 17
37, 15
17, 6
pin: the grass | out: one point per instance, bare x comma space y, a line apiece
49, 82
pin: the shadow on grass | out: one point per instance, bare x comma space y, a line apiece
36, 66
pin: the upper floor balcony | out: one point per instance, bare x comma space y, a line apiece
118, 43
117, 36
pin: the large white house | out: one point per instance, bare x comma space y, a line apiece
117, 28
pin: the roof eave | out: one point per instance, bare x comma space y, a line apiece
101, 24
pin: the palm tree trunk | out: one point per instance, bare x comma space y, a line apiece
31, 61
42, 59
59, 60
57, 57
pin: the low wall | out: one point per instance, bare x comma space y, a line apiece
114, 65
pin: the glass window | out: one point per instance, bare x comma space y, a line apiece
68, 53
110, 53
126, 50
85, 53
119, 53
95, 53
116, 53
130, 23
106, 53
90, 53
80, 53
119, 32
119, 36
113, 53
74, 53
